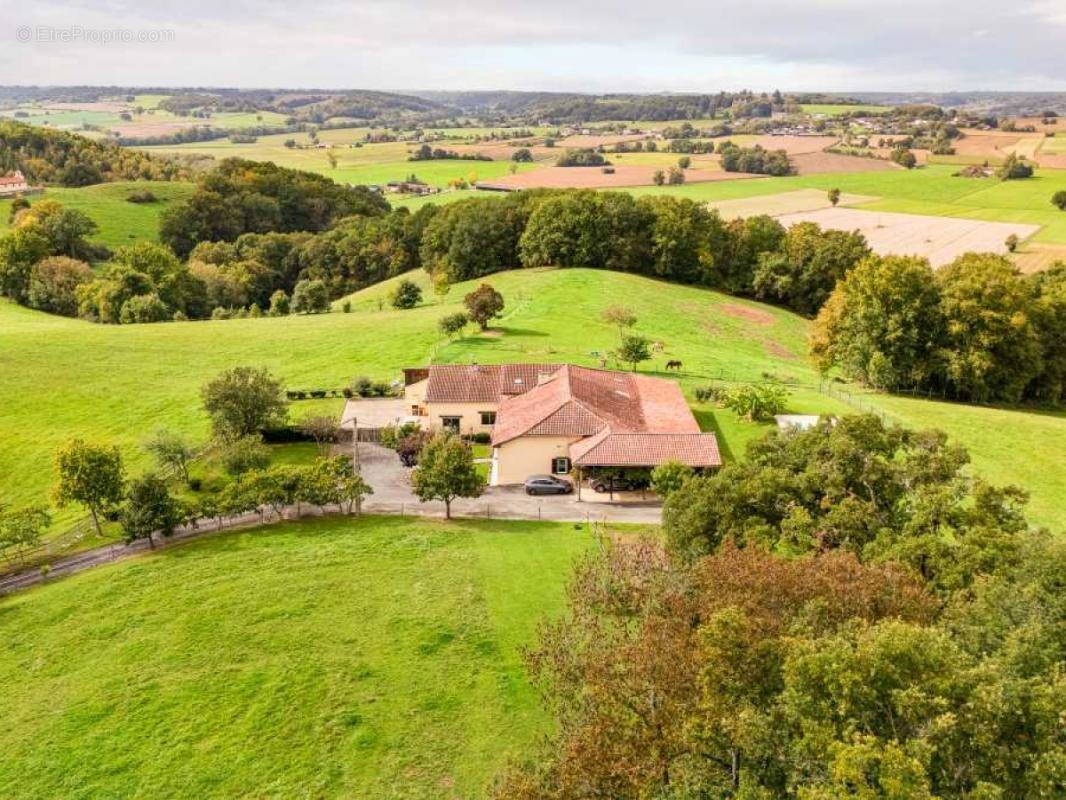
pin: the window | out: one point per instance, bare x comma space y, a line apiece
488, 417
450, 423
560, 466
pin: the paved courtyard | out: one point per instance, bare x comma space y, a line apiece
392, 495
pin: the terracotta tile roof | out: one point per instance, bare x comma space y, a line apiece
577, 401
482, 383
11, 180
646, 450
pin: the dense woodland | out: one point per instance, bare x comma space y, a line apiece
57, 157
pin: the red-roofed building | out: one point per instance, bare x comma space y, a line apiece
13, 183
550, 418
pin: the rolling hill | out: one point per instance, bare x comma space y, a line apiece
66, 378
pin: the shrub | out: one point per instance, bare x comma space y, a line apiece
583, 157
1059, 200
407, 294
1014, 168
143, 196
756, 402
310, 297
279, 304
54, 283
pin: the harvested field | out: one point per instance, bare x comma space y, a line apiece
940, 239
1035, 256
784, 203
987, 144
825, 163
581, 140
794, 145
596, 178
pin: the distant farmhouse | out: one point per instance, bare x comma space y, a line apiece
13, 183
558, 417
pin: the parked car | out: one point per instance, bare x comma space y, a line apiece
547, 484
619, 484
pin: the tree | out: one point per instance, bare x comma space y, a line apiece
675, 176
172, 452
668, 477
621, 317
483, 304
451, 324
904, 157
446, 471
20, 530
244, 454
1011, 243
19, 251
684, 162
1059, 200
834, 196
91, 475
54, 283
322, 428
523, 155
279, 304
1014, 167
407, 294
149, 508
243, 401
883, 324
632, 349
409, 445
992, 347
310, 297
65, 229
658, 177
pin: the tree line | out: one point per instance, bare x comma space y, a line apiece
845, 613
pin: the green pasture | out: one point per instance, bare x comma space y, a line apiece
330, 658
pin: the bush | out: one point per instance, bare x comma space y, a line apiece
1014, 168
407, 294
584, 157
756, 402
143, 196
1059, 200
310, 297
54, 284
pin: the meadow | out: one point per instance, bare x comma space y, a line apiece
118, 384
370, 163
335, 657
120, 221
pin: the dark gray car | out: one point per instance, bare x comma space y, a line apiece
547, 484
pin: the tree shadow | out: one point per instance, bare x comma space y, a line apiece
708, 422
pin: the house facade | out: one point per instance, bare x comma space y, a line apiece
13, 183
558, 418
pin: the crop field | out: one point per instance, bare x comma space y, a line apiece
120, 383
776, 205
120, 221
328, 658
939, 239
932, 190
596, 178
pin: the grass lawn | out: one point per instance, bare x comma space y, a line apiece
327, 658
66, 378
121, 222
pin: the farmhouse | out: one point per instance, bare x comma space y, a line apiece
555, 418
13, 183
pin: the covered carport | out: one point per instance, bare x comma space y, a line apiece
642, 451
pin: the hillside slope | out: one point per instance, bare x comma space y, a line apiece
66, 378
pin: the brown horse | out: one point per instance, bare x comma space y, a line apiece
673, 365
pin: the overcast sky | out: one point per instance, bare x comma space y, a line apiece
560, 45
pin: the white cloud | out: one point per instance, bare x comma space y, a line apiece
553, 44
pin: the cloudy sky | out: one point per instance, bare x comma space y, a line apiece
562, 45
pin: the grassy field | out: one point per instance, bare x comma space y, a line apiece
328, 658
370, 163
835, 110
121, 222
931, 190
120, 383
